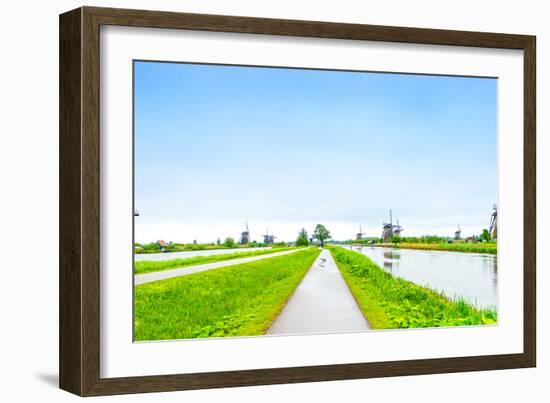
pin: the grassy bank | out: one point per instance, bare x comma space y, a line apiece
240, 300
389, 302
148, 266
140, 248
490, 248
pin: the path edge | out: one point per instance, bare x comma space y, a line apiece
350, 290
289, 297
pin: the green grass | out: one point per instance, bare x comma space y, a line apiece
391, 302
140, 249
240, 300
148, 266
452, 247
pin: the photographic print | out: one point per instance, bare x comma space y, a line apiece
284, 201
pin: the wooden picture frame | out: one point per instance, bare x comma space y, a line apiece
79, 317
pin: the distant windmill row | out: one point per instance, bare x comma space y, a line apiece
389, 229
246, 238
492, 225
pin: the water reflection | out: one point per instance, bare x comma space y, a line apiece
467, 275
392, 254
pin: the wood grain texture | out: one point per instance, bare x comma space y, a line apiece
315, 29
529, 203
70, 230
90, 201
80, 200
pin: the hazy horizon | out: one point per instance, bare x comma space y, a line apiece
216, 146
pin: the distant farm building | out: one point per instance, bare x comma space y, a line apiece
163, 244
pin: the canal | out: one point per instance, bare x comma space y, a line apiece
471, 276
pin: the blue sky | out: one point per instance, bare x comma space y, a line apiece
287, 148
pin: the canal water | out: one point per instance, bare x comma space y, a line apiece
186, 254
471, 276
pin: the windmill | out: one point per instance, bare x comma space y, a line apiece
269, 239
359, 235
245, 235
493, 223
387, 232
457, 233
397, 229
389, 229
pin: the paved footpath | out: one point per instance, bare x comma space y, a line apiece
183, 271
322, 303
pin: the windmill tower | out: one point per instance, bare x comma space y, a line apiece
269, 239
493, 223
457, 233
359, 235
245, 236
387, 230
